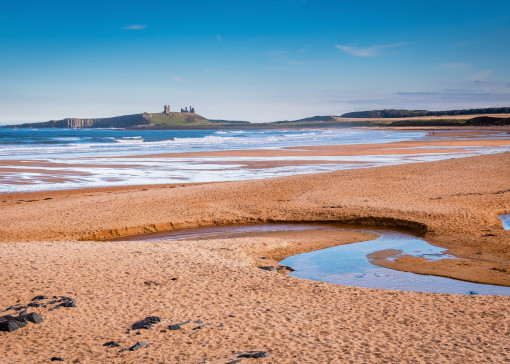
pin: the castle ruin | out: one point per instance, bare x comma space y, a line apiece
191, 109
166, 110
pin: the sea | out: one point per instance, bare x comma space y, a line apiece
48, 159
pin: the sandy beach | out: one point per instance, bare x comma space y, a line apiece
51, 246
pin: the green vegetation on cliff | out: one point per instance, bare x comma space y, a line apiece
399, 113
178, 119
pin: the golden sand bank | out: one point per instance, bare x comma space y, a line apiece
50, 248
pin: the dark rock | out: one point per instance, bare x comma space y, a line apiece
199, 327
173, 279
111, 344
269, 268
141, 325
57, 307
12, 324
175, 327
37, 298
121, 351
198, 322
235, 361
139, 345
285, 267
68, 302
57, 358
231, 316
146, 323
254, 354
33, 304
33, 317
185, 322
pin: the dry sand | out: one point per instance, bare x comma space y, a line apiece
453, 203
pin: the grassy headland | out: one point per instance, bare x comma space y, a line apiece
376, 118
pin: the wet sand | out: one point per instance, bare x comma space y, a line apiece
77, 172
452, 203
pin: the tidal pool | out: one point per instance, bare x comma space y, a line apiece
505, 219
348, 264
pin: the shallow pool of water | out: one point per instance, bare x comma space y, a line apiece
505, 219
348, 264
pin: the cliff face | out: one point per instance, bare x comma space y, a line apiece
125, 121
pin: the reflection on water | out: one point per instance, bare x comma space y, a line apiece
348, 264
506, 221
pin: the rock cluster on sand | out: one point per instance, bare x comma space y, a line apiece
11, 323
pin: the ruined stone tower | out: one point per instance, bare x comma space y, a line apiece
166, 111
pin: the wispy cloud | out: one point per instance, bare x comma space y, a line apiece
434, 100
134, 27
181, 79
480, 76
370, 51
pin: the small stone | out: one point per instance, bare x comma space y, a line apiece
57, 307
235, 361
139, 345
33, 304
269, 268
68, 302
175, 327
254, 354
57, 358
111, 344
37, 298
199, 327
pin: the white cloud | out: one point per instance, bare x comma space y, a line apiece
371, 51
135, 27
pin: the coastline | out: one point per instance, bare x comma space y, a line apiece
385, 196
452, 203
47, 172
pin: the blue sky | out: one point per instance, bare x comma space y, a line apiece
247, 60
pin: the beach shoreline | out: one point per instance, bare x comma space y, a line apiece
50, 247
